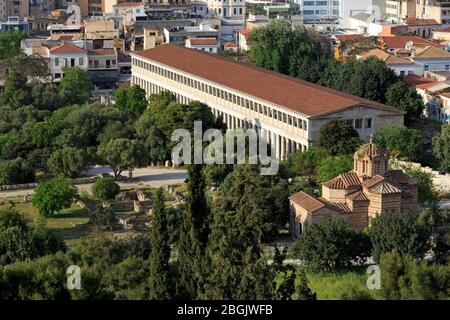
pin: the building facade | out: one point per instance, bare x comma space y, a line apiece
291, 111
357, 196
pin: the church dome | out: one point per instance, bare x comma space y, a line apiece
370, 150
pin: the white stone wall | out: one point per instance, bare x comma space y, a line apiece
441, 181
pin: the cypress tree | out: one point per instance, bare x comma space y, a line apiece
193, 236
159, 280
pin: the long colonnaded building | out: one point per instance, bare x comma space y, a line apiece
292, 111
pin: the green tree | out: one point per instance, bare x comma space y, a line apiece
401, 141
394, 231
402, 278
76, 86
16, 92
105, 189
132, 100
302, 290
10, 43
159, 278
103, 218
426, 193
20, 241
366, 78
54, 195
332, 166
69, 161
193, 235
306, 163
331, 244
441, 148
406, 98
297, 52
338, 137
437, 221
16, 171
123, 154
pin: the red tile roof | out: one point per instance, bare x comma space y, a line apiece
230, 45
298, 95
103, 52
67, 48
128, 4
420, 22
442, 30
415, 80
397, 42
245, 32
348, 37
203, 41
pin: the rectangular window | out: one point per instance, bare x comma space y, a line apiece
56, 62
368, 123
308, 3
426, 67
80, 61
447, 67
358, 123
305, 126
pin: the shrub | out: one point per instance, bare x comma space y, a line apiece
105, 189
331, 244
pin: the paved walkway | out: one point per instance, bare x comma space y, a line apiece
152, 176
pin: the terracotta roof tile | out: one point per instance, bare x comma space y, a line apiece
398, 176
350, 180
307, 201
230, 45
384, 187
335, 183
298, 95
384, 56
128, 4
372, 181
395, 42
358, 196
348, 37
67, 48
203, 41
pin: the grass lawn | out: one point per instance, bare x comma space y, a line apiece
341, 285
64, 224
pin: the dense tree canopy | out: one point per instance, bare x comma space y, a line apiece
10, 43
76, 85
441, 148
331, 244
132, 100
297, 52
367, 78
338, 137
406, 98
394, 231
54, 195
401, 142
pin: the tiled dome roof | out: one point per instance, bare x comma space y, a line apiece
370, 150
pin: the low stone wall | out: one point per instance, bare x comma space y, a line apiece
440, 181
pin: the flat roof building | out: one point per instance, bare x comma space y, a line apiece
292, 111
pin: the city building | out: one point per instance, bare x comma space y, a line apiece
230, 47
314, 10
205, 44
66, 56
401, 66
438, 10
178, 35
14, 23
357, 196
291, 111
398, 10
230, 9
244, 39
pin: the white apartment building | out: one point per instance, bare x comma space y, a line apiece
318, 10
205, 44
396, 10
438, 10
66, 56
291, 111
232, 9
